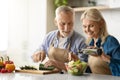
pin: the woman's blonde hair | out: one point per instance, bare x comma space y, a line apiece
95, 15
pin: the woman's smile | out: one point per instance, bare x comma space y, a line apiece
91, 28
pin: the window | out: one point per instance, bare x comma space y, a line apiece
3, 25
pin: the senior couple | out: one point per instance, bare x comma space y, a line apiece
59, 43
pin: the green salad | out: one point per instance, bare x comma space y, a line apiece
76, 67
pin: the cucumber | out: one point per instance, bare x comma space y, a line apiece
41, 67
28, 68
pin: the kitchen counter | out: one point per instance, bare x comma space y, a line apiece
56, 76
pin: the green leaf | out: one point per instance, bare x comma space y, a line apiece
60, 2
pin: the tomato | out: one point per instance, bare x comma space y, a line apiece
3, 70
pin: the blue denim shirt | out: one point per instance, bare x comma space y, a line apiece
76, 40
111, 47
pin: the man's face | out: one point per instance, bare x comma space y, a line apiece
64, 21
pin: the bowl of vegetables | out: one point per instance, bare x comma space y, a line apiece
76, 67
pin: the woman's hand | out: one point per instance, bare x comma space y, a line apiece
93, 47
38, 56
57, 64
105, 57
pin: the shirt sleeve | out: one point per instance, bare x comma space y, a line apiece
83, 57
113, 48
115, 67
78, 44
110, 45
114, 51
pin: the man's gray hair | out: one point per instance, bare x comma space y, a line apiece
64, 9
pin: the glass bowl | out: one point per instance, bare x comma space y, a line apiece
76, 67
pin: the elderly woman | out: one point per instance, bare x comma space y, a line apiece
94, 27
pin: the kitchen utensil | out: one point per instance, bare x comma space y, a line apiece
39, 71
97, 51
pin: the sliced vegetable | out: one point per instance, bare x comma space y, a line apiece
28, 68
41, 67
76, 67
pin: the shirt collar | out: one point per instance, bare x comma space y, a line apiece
67, 39
98, 43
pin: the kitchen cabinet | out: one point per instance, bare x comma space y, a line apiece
79, 9
81, 5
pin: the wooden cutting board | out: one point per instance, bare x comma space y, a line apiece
38, 71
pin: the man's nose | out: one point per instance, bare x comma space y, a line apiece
66, 27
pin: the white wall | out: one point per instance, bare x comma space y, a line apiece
18, 29
50, 16
37, 24
3, 25
27, 26
112, 19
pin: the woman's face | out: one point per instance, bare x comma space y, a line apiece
91, 28
64, 23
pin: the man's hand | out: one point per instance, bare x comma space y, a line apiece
39, 56
59, 65
72, 56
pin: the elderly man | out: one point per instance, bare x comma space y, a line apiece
58, 43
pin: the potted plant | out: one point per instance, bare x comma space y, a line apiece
60, 3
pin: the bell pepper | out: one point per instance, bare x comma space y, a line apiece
8, 61
10, 67
1, 63
7, 66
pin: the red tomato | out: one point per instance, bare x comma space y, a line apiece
3, 70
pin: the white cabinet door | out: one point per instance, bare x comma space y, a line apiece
114, 3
